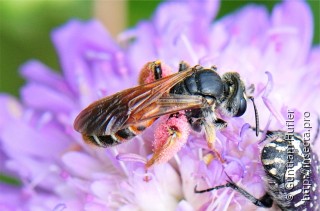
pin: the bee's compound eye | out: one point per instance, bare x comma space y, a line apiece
242, 107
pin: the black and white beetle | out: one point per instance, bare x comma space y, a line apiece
292, 174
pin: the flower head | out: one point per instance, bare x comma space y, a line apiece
58, 170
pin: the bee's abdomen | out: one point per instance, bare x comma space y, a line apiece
119, 137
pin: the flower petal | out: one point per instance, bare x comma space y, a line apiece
10, 108
28, 140
35, 71
84, 47
296, 41
88, 164
44, 98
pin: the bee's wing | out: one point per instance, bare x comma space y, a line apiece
171, 103
110, 114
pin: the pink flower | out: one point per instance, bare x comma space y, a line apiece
59, 171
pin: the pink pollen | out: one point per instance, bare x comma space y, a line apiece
170, 135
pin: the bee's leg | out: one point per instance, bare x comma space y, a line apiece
157, 70
183, 66
171, 134
220, 124
209, 125
196, 124
211, 138
153, 71
176, 115
264, 201
157, 156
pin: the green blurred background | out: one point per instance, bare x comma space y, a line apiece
25, 27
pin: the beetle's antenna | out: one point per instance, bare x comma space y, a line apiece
256, 115
264, 201
210, 189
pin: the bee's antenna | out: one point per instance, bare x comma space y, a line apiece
256, 115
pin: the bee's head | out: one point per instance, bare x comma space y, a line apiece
235, 98
235, 102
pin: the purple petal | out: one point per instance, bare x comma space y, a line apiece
196, 19
87, 164
28, 140
95, 207
45, 98
244, 128
188, 168
144, 47
103, 188
10, 197
269, 85
34, 174
131, 157
291, 35
10, 108
81, 45
60, 207
268, 102
35, 71
184, 206
235, 169
248, 26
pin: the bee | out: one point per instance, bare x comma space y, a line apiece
197, 91
291, 182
